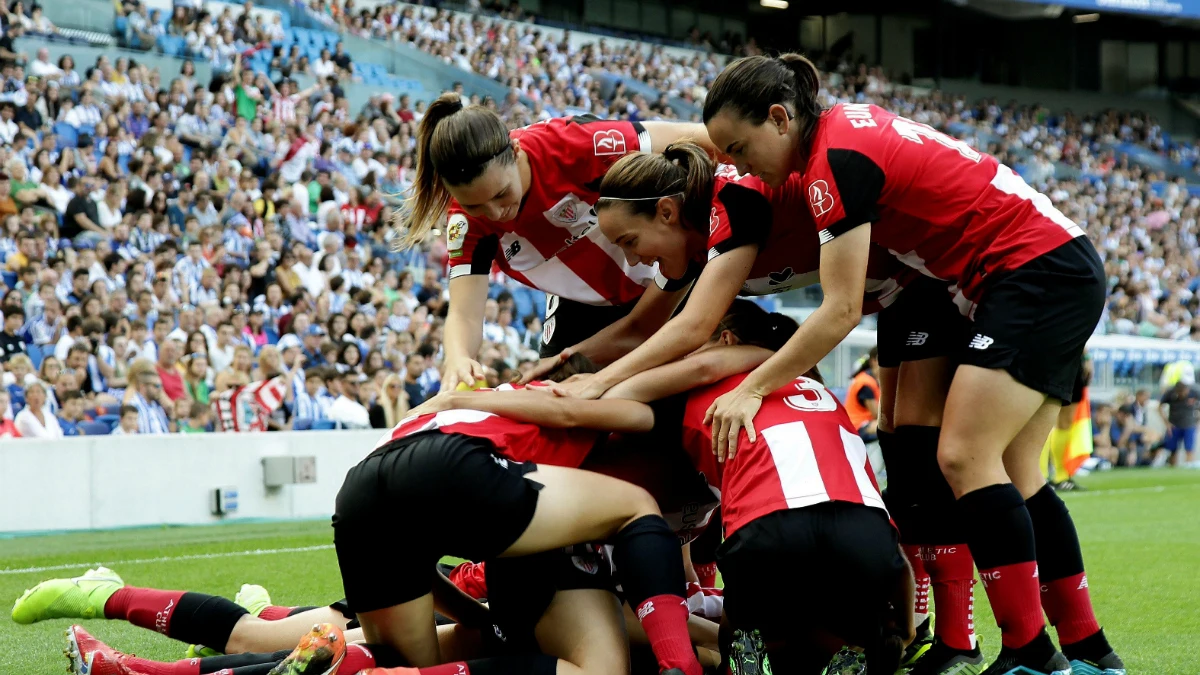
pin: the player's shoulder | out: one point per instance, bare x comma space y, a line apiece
852, 126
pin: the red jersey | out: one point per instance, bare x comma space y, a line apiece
806, 453
747, 211
518, 441
941, 206
553, 244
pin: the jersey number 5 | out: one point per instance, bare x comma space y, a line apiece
812, 397
915, 131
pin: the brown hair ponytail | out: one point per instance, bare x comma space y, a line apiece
683, 168
750, 86
752, 325
455, 145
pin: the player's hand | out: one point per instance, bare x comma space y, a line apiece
545, 366
433, 405
728, 415
584, 386
461, 370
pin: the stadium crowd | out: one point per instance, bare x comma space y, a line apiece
172, 247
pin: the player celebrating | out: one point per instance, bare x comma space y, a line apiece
734, 235
1025, 275
523, 199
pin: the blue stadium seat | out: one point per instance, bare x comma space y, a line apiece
331, 39
111, 420
108, 410
324, 425
522, 304
94, 429
302, 424
35, 355
68, 137
9, 278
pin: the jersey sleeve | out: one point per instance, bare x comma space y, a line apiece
843, 188
594, 144
740, 216
470, 244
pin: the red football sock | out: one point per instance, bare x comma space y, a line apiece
920, 577
275, 613
357, 658
952, 571
145, 667
664, 618
707, 574
143, 607
1068, 605
1013, 592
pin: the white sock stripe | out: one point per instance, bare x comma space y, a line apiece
147, 561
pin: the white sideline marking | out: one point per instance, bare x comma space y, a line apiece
1117, 491
146, 561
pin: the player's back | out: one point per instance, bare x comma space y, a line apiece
806, 452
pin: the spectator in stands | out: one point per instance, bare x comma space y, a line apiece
414, 370
10, 343
34, 421
197, 420
170, 380
70, 411
346, 409
147, 389
392, 404
129, 421
1182, 402
7, 428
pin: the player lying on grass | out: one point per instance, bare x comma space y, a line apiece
802, 495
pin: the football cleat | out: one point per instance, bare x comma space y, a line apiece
79, 598
320, 652
940, 659
748, 654
102, 663
847, 662
81, 647
1039, 657
1111, 664
920, 643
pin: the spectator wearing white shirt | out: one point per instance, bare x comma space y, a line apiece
43, 67
346, 409
8, 128
492, 330
34, 421
74, 332
352, 275
129, 421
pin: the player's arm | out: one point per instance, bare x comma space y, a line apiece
843, 279
546, 410
464, 329
686, 374
663, 134
718, 285
652, 310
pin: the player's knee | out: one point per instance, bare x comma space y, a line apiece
612, 663
244, 639
954, 460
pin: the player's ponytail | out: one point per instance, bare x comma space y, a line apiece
640, 179
455, 145
750, 86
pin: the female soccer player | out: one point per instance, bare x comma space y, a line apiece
499, 502
802, 495
1026, 276
523, 199
734, 235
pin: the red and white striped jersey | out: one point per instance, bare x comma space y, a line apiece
941, 206
554, 244
249, 408
806, 453
747, 211
519, 441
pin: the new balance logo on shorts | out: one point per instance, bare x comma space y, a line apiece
916, 339
981, 342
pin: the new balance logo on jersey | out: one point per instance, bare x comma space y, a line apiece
819, 198
513, 249
916, 338
981, 342
609, 142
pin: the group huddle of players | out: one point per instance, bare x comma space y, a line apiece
663, 399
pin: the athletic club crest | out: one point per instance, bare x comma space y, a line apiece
567, 212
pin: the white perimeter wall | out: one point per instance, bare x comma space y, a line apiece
121, 481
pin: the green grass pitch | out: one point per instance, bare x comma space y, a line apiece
1140, 533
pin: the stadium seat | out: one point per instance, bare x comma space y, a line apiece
324, 425
302, 424
35, 355
331, 39
111, 420
68, 137
108, 410
94, 429
9, 278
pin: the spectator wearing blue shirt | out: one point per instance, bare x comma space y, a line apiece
70, 412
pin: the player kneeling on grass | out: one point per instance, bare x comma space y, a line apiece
799, 495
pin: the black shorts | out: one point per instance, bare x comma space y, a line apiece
520, 589
854, 551
1082, 379
923, 323
568, 322
418, 499
1035, 321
